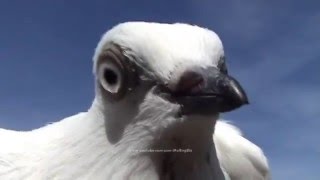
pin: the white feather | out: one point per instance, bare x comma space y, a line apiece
240, 158
76, 148
168, 48
79, 147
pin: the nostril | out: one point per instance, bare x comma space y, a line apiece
190, 82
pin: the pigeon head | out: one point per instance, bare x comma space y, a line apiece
175, 69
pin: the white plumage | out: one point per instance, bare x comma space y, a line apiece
107, 141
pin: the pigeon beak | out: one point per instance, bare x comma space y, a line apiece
208, 91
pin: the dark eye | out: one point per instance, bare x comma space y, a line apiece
222, 65
116, 73
111, 76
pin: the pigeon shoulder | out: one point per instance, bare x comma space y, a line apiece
21, 152
15, 153
238, 156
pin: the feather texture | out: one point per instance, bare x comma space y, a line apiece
76, 148
106, 141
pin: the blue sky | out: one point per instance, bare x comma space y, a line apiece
272, 48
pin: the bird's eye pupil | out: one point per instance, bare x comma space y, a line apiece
110, 76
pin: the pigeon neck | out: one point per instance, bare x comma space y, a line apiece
189, 151
160, 144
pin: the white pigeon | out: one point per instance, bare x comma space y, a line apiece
159, 91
